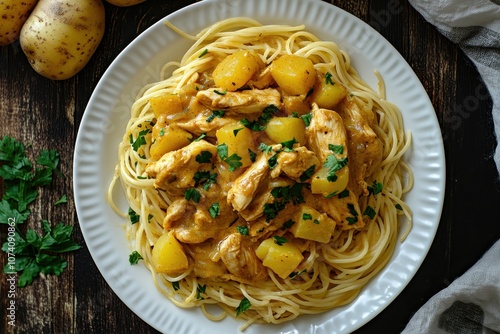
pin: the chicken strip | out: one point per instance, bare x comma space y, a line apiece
242, 102
295, 163
237, 253
365, 148
246, 186
176, 169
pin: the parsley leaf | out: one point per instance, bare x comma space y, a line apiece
375, 188
62, 200
328, 78
203, 157
261, 122
370, 212
306, 118
192, 194
134, 258
234, 160
243, 230
333, 164
243, 306
133, 216
215, 113
214, 210
279, 240
140, 140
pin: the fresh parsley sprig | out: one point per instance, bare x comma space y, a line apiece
34, 253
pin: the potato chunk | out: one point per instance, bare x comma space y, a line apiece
168, 255
167, 139
328, 93
234, 71
238, 140
282, 258
281, 129
166, 104
310, 224
321, 185
294, 74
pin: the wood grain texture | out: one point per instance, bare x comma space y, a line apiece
46, 114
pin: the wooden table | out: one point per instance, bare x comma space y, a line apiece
46, 114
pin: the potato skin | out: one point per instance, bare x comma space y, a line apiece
124, 3
60, 37
13, 14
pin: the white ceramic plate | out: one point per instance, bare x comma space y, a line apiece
107, 113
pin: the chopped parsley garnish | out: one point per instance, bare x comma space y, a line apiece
192, 194
203, 135
243, 230
205, 178
344, 193
283, 195
289, 223
307, 216
243, 306
307, 118
204, 52
214, 210
339, 149
353, 212
134, 257
370, 212
253, 155
133, 216
219, 92
288, 145
265, 148
375, 188
333, 164
140, 140
234, 160
216, 113
308, 173
199, 290
398, 206
328, 78
162, 132
235, 131
273, 161
203, 157
261, 122
279, 240
316, 221
175, 285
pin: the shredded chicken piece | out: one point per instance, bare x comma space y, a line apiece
344, 211
326, 127
176, 169
192, 222
365, 148
295, 163
238, 255
246, 186
243, 102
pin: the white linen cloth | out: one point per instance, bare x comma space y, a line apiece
471, 304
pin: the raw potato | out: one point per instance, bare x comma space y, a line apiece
59, 38
124, 3
13, 15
